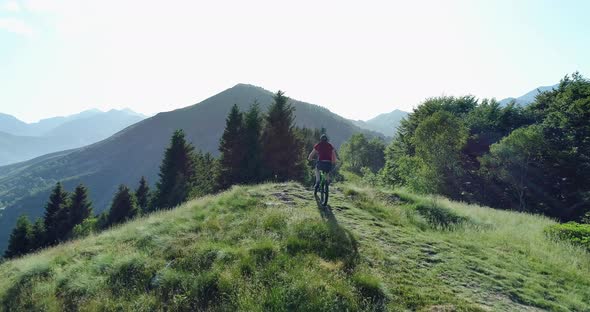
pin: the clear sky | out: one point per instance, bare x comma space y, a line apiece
357, 58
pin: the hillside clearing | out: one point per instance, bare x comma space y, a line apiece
270, 247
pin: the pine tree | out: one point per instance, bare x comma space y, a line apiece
80, 207
142, 194
55, 211
231, 147
177, 173
19, 242
252, 162
124, 206
281, 148
38, 235
207, 174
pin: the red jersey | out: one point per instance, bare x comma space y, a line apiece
325, 151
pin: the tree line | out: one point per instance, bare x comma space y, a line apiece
254, 147
534, 158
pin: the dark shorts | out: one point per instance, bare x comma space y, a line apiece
325, 166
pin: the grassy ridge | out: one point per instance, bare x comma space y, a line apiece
270, 247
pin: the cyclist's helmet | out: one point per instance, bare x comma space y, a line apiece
324, 137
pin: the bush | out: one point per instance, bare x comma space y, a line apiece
131, 274
575, 233
369, 177
370, 288
87, 227
20, 296
263, 251
439, 216
328, 241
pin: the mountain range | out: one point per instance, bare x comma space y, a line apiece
20, 141
138, 149
386, 123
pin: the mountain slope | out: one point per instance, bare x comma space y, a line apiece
87, 130
271, 248
10, 124
15, 148
386, 123
62, 133
529, 97
138, 150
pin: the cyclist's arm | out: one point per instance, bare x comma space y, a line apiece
312, 155
334, 156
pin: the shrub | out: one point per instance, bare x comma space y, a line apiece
370, 287
19, 297
87, 227
263, 251
575, 233
131, 274
440, 216
329, 241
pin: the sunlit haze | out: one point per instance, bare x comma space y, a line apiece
358, 58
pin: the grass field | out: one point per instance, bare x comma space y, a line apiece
272, 248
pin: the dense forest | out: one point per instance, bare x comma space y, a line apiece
534, 158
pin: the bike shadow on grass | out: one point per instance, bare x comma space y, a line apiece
347, 245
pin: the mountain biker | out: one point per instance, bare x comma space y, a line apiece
327, 156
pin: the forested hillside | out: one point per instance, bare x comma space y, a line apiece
534, 158
137, 151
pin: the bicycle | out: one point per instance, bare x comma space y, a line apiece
323, 188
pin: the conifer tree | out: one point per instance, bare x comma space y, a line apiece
177, 173
252, 162
38, 235
80, 207
19, 242
207, 174
281, 148
142, 194
124, 206
55, 210
231, 146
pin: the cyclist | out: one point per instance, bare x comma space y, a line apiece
327, 156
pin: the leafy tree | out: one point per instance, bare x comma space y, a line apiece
87, 227
177, 173
80, 207
252, 161
143, 194
563, 115
514, 159
124, 206
358, 153
55, 212
438, 141
282, 155
20, 238
38, 235
232, 148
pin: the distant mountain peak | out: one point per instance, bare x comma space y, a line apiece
528, 97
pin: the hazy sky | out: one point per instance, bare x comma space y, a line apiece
357, 58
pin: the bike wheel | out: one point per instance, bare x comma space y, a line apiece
322, 193
326, 192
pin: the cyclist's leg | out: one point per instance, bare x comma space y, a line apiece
317, 177
329, 174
